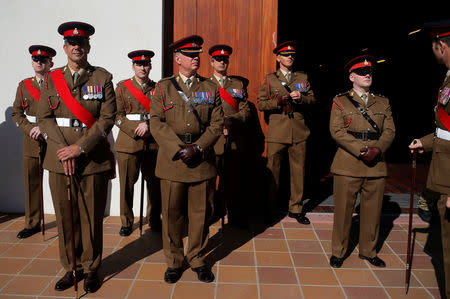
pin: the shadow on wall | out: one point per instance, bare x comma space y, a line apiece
12, 190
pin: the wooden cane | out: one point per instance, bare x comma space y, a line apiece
411, 203
72, 235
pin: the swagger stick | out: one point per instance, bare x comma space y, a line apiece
141, 208
72, 235
411, 202
41, 196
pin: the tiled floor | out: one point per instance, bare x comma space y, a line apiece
287, 260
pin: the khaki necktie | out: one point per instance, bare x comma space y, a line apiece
221, 82
40, 81
364, 98
75, 77
188, 83
144, 86
288, 76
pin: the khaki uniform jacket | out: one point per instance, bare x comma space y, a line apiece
439, 172
97, 157
30, 146
170, 115
126, 103
281, 128
346, 117
237, 137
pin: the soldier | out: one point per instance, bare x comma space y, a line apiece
283, 98
186, 119
439, 141
231, 145
76, 113
135, 147
361, 124
24, 115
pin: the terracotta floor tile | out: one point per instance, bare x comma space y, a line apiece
326, 244
27, 285
111, 240
275, 291
350, 277
239, 258
114, 288
322, 225
308, 276
156, 257
295, 224
24, 250
152, 272
271, 233
300, 234
419, 262
270, 245
4, 247
310, 260
426, 277
394, 278
397, 235
435, 292
413, 293
305, 246
315, 292
277, 259
128, 273
273, 275
150, 289
111, 228
16, 226
365, 292
12, 266
324, 234
17, 297
386, 250
237, 274
4, 279
37, 239
43, 267
400, 248
247, 246
226, 291
193, 290
112, 219
51, 252
8, 237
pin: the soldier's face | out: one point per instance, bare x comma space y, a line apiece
220, 65
42, 66
286, 60
141, 70
188, 61
439, 49
77, 50
363, 82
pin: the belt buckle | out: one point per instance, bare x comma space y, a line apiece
75, 123
188, 138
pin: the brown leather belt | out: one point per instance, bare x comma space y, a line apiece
189, 138
364, 135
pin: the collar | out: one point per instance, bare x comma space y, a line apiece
284, 72
184, 78
80, 72
218, 79
361, 93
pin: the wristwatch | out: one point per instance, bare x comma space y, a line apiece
82, 150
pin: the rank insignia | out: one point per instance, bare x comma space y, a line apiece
365, 62
39, 52
75, 31
445, 96
301, 87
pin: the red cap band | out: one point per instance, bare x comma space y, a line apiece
443, 34
41, 53
189, 45
220, 52
361, 64
76, 32
287, 48
141, 58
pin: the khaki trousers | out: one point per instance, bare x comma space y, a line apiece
345, 191
444, 214
196, 199
296, 153
88, 205
32, 187
129, 168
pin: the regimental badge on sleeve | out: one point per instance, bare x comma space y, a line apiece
444, 96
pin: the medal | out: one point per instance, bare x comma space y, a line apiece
85, 93
100, 92
90, 92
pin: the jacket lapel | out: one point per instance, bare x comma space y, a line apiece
68, 76
370, 100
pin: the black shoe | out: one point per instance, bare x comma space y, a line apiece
204, 273
125, 231
92, 282
28, 232
376, 261
67, 280
300, 217
172, 275
424, 215
336, 262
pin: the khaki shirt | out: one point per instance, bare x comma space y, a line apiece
171, 116
126, 103
19, 113
235, 87
439, 173
97, 156
281, 128
346, 117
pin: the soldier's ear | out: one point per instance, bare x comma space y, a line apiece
351, 77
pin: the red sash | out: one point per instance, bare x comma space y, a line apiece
35, 93
228, 98
139, 95
444, 118
74, 106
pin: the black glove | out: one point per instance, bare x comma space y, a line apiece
190, 154
370, 155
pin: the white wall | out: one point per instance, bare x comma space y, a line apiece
120, 27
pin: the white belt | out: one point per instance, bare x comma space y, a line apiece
442, 134
31, 119
138, 116
69, 122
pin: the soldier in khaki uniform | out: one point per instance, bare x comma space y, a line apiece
24, 115
76, 113
439, 141
283, 98
186, 120
230, 147
359, 164
135, 147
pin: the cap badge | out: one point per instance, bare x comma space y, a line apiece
39, 52
289, 48
194, 45
365, 62
75, 31
222, 52
143, 57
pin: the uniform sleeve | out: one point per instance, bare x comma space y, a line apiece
339, 133
122, 122
215, 128
264, 103
388, 134
244, 109
18, 114
427, 142
105, 121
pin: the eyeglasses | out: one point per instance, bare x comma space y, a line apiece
41, 59
142, 63
219, 58
363, 71
287, 55
74, 41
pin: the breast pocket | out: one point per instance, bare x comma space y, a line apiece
379, 118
